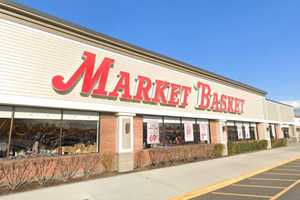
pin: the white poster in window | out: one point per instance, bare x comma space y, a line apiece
240, 131
273, 130
188, 132
204, 132
152, 133
247, 131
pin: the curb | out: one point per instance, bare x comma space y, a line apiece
210, 188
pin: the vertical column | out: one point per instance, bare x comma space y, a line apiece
125, 141
263, 133
138, 139
279, 133
108, 128
218, 134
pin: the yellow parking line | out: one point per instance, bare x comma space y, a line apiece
285, 174
273, 179
213, 187
242, 195
285, 190
258, 186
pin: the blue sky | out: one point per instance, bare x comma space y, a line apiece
253, 41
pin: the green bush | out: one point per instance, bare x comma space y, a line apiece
218, 150
246, 146
278, 142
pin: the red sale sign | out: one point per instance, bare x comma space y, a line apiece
152, 133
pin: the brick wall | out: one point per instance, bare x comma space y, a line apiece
138, 138
214, 131
108, 133
278, 132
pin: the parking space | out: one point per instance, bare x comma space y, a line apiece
282, 182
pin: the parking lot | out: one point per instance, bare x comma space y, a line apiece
282, 182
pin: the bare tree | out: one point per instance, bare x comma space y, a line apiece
90, 164
16, 173
69, 167
45, 170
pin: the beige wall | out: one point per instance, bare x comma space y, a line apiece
30, 58
279, 112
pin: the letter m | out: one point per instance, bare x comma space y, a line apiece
89, 80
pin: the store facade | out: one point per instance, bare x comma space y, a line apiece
65, 90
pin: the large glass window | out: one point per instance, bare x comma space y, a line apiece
285, 131
5, 120
35, 132
168, 131
48, 132
231, 131
79, 133
240, 131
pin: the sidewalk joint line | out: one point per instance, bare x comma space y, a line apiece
284, 174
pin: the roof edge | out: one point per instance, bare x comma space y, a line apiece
278, 102
57, 22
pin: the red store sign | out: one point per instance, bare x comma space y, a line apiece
94, 83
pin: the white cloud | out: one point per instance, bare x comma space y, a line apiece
295, 103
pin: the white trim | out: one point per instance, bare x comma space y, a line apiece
5, 111
120, 134
37, 113
80, 115
46, 103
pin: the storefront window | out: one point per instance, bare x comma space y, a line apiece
285, 131
47, 132
171, 133
79, 133
4, 135
240, 131
252, 132
5, 120
168, 131
35, 136
35, 132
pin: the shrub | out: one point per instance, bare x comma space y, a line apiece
218, 150
16, 174
44, 170
68, 167
184, 153
246, 146
278, 142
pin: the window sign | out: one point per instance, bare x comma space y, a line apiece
239, 131
152, 133
204, 131
247, 131
188, 132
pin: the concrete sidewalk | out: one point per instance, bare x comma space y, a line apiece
162, 183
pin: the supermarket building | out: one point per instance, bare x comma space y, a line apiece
66, 90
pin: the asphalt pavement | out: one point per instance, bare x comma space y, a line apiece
282, 183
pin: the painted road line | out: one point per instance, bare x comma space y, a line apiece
213, 187
258, 186
242, 195
272, 179
284, 174
285, 190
